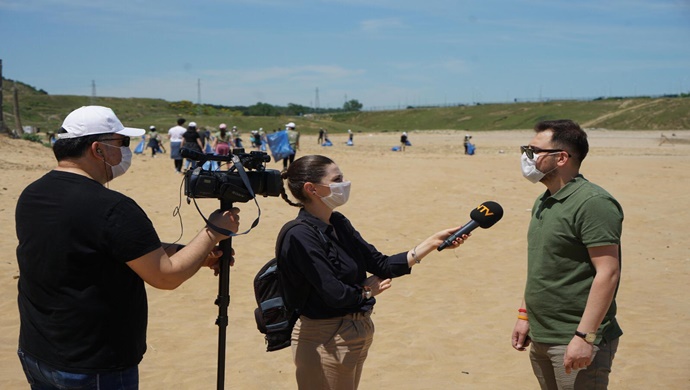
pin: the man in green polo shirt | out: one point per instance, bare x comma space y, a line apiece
568, 314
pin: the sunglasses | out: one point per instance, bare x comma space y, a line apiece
530, 151
125, 140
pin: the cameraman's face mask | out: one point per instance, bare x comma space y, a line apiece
123, 166
340, 192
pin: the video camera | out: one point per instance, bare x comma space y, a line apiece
228, 185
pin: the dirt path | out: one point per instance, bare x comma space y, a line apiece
602, 118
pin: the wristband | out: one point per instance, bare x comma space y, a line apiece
219, 229
524, 318
521, 310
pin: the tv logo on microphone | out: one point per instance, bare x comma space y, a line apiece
484, 210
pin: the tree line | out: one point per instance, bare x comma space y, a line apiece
262, 109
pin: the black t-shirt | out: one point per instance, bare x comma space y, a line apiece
190, 140
335, 271
82, 309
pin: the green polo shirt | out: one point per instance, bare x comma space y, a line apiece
580, 215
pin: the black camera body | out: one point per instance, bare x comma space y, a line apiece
228, 185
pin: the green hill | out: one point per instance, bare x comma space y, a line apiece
45, 111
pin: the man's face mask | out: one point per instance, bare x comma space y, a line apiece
528, 162
120, 169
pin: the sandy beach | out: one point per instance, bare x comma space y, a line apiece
446, 326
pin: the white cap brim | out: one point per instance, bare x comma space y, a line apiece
131, 132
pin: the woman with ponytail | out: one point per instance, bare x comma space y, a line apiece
331, 339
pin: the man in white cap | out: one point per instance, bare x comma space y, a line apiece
293, 138
155, 142
403, 140
84, 254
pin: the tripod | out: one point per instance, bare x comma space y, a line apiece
223, 299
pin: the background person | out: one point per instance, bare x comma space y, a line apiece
206, 140
319, 140
259, 137
223, 141
331, 340
573, 265
154, 141
191, 140
237, 138
84, 254
403, 141
293, 139
175, 137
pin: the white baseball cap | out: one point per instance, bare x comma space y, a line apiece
192, 124
291, 124
90, 120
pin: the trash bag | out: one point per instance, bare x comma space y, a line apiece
140, 147
280, 145
470, 149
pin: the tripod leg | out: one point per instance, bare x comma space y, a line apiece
223, 300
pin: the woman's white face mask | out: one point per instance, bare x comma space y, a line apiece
340, 192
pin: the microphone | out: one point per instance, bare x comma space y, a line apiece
484, 216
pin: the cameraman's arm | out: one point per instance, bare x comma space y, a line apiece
168, 272
171, 249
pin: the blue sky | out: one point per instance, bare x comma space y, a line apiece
384, 53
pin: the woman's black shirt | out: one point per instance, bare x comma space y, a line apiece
335, 270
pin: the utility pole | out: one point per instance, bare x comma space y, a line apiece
17, 120
198, 96
93, 92
316, 101
2, 120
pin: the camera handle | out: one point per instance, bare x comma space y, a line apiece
223, 299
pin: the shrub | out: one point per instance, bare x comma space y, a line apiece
32, 137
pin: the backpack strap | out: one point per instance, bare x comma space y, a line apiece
304, 294
290, 225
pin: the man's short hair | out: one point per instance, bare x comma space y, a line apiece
65, 148
567, 135
181, 121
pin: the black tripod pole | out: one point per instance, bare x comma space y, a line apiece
223, 299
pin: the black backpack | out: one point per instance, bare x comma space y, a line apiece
275, 316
